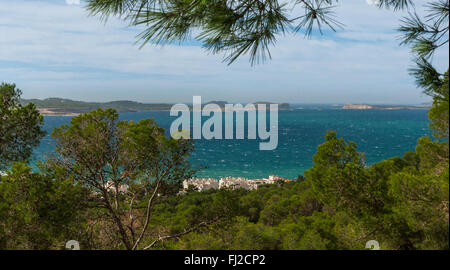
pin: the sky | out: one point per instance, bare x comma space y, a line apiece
52, 48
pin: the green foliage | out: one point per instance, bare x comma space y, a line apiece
439, 112
341, 204
40, 211
421, 202
63, 105
246, 26
126, 165
20, 127
291, 218
401, 201
232, 27
433, 154
426, 35
395, 4
338, 176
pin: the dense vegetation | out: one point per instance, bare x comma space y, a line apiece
20, 126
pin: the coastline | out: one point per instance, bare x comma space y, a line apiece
50, 112
68, 112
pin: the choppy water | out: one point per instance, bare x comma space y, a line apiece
379, 133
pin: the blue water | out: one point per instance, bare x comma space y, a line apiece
380, 134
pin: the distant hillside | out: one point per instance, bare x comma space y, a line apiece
61, 106
68, 106
218, 102
281, 106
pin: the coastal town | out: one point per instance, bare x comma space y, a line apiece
201, 184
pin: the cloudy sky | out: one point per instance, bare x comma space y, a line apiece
51, 48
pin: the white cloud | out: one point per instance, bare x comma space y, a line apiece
60, 51
73, 2
367, 36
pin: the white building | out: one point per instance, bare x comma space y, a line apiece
228, 182
273, 177
240, 182
201, 183
236, 182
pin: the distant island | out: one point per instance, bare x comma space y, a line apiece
68, 107
382, 107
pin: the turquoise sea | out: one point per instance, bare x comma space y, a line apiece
380, 134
